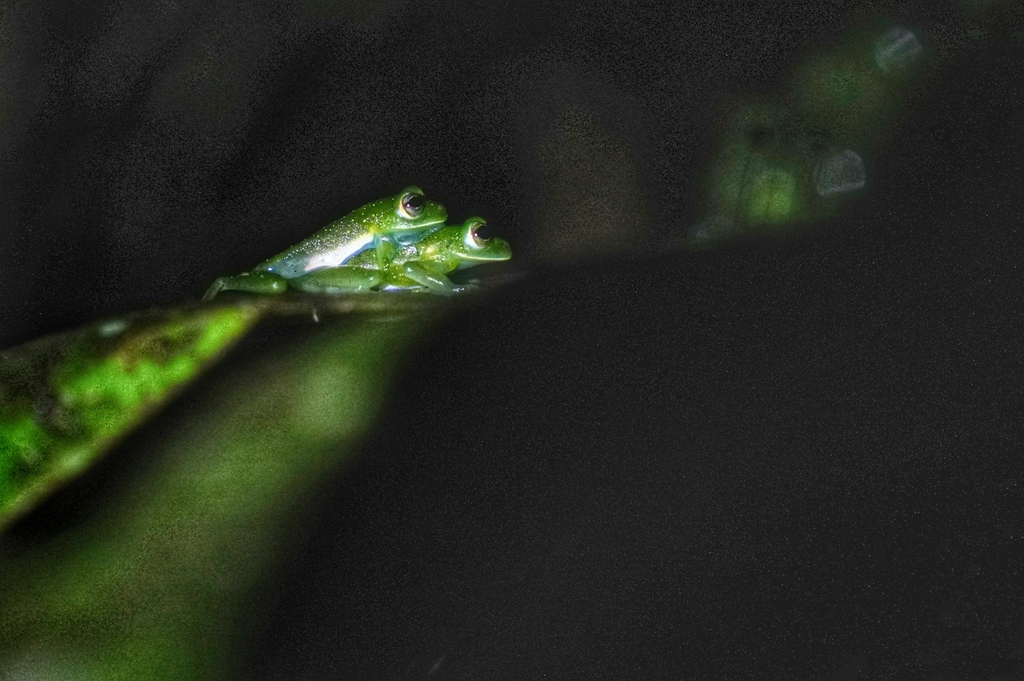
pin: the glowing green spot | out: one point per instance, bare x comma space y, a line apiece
23, 444
772, 196
22, 438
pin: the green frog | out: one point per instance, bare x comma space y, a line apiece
423, 265
378, 227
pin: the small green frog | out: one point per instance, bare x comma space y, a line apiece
389, 223
423, 265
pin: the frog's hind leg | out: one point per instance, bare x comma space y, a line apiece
333, 280
250, 282
433, 281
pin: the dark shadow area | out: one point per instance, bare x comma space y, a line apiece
792, 462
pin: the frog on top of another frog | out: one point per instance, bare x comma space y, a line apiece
423, 265
390, 222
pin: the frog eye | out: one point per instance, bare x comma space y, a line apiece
482, 232
479, 234
412, 205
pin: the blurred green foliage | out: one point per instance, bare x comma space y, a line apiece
65, 399
163, 580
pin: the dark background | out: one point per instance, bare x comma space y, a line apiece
148, 147
783, 459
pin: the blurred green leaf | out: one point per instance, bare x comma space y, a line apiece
161, 582
65, 399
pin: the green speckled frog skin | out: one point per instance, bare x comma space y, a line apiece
390, 222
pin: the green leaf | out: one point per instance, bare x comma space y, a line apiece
163, 581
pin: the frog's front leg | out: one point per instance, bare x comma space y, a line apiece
335, 280
251, 282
